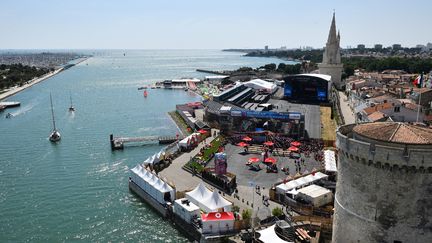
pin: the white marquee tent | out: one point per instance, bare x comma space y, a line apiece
269, 235
216, 202
199, 194
261, 84
300, 182
330, 161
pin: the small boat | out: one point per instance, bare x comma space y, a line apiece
142, 87
55, 135
9, 115
71, 108
145, 93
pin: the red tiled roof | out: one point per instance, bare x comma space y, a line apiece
372, 109
396, 132
377, 115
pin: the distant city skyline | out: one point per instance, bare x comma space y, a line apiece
130, 24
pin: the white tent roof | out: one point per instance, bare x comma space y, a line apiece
159, 184
143, 173
200, 193
152, 179
330, 160
136, 168
269, 235
260, 84
183, 142
165, 188
215, 201
148, 160
314, 191
299, 182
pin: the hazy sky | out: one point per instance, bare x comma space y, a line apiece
205, 24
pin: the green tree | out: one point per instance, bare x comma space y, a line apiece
246, 214
235, 208
270, 67
277, 211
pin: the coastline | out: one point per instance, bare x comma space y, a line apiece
33, 82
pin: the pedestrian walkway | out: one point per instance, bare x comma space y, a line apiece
347, 113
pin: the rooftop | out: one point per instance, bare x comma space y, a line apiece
395, 132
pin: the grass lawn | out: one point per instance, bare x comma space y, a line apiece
214, 146
328, 132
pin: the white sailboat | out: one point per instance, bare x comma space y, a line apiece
71, 108
55, 135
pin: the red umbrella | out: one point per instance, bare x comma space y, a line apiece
294, 149
253, 160
202, 131
242, 144
295, 143
247, 139
269, 143
270, 160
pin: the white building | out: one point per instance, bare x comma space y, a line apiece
316, 195
217, 222
186, 209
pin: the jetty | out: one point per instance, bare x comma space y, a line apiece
8, 104
213, 72
117, 143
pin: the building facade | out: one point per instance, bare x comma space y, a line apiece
331, 64
384, 183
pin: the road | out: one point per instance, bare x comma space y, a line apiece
347, 113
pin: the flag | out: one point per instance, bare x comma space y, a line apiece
418, 81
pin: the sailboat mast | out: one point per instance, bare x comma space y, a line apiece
52, 113
70, 97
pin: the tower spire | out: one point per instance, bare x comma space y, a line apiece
332, 33
331, 63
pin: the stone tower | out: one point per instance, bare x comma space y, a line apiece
331, 63
383, 191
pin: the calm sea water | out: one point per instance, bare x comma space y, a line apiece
77, 189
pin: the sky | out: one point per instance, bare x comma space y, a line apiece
205, 24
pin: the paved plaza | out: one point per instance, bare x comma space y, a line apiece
237, 159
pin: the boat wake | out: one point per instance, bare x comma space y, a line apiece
23, 110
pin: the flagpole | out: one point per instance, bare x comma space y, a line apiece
418, 108
419, 97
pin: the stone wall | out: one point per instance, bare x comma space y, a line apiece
383, 192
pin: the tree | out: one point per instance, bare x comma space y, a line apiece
277, 212
246, 214
270, 67
235, 208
